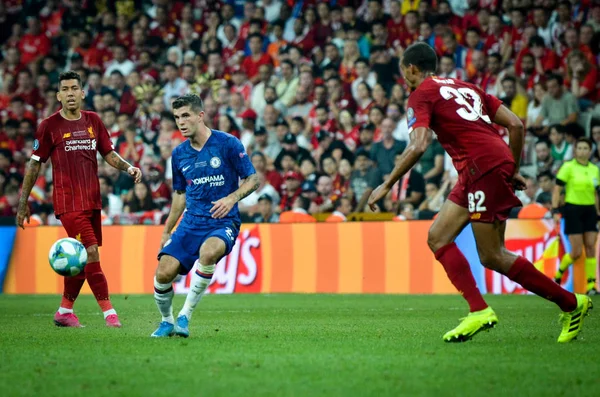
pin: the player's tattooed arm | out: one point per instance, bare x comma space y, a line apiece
249, 185
31, 175
115, 160
221, 207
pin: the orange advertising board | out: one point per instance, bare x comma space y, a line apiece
356, 257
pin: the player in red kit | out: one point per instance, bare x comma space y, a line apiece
461, 115
71, 138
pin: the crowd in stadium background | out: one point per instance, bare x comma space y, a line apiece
312, 88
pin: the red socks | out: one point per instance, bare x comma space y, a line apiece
72, 286
459, 272
97, 281
524, 273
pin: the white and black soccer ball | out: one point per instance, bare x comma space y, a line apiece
67, 257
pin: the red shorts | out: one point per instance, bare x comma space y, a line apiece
85, 226
488, 198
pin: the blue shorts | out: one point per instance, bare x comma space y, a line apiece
185, 243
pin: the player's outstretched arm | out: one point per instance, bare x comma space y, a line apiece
222, 206
177, 208
31, 175
516, 138
117, 162
420, 140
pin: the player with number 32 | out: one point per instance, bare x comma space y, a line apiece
461, 115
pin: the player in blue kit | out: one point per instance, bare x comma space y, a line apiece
207, 169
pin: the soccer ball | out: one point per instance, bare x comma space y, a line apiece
67, 257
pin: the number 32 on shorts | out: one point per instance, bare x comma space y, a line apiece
476, 201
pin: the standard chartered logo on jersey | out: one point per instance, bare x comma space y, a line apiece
212, 180
80, 144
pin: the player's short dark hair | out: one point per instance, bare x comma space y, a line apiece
69, 75
422, 56
191, 100
584, 139
474, 30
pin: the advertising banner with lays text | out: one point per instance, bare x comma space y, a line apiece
360, 257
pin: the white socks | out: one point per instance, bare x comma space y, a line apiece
200, 281
62, 310
109, 312
163, 295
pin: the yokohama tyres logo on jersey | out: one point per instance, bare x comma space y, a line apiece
80, 144
212, 180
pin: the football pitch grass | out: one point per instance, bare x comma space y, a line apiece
296, 345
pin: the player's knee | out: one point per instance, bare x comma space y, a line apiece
576, 253
209, 256
93, 254
163, 276
491, 260
435, 241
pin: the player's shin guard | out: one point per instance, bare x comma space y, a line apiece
524, 273
72, 287
98, 284
590, 273
459, 272
163, 295
200, 281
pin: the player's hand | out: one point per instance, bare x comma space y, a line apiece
23, 215
136, 173
380, 192
222, 207
164, 238
519, 182
557, 218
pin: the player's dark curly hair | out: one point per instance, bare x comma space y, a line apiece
191, 100
422, 56
69, 75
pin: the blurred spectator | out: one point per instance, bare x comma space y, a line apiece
561, 150
250, 205
265, 212
384, 152
139, 199
516, 102
298, 213
342, 207
559, 106
114, 203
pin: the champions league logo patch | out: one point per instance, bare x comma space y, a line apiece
36, 144
410, 117
215, 162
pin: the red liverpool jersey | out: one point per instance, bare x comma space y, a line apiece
72, 146
461, 115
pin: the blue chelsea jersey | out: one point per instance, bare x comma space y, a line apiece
211, 173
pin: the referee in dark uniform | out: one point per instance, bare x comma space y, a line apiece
579, 177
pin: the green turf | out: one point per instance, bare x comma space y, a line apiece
295, 345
